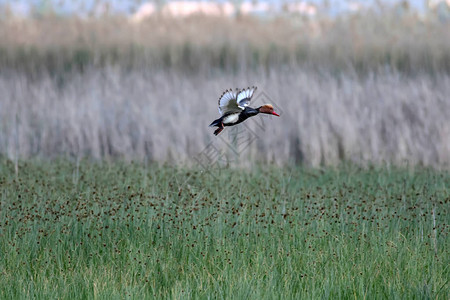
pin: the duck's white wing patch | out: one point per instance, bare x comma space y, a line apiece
244, 96
227, 103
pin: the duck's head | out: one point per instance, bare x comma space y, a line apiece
267, 109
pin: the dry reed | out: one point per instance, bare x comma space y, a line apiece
163, 115
367, 88
364, 42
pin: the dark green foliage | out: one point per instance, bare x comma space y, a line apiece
143, 231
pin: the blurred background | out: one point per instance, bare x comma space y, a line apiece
360, 81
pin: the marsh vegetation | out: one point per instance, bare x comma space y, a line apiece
368, 88
346, 195
130, 230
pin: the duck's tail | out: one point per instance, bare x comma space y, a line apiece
217, 122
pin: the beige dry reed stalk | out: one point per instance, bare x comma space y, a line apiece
363, 41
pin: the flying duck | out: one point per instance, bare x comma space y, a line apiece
234, 109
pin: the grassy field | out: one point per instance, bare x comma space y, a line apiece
106, 231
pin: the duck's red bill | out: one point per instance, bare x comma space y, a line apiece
274, 113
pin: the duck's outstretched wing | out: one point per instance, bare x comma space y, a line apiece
244, 96
228, 103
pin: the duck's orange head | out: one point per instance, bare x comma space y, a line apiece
267, 109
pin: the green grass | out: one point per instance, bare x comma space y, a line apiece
119, 230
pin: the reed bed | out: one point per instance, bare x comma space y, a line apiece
164, 116
189, 220
399, 39
368, 88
